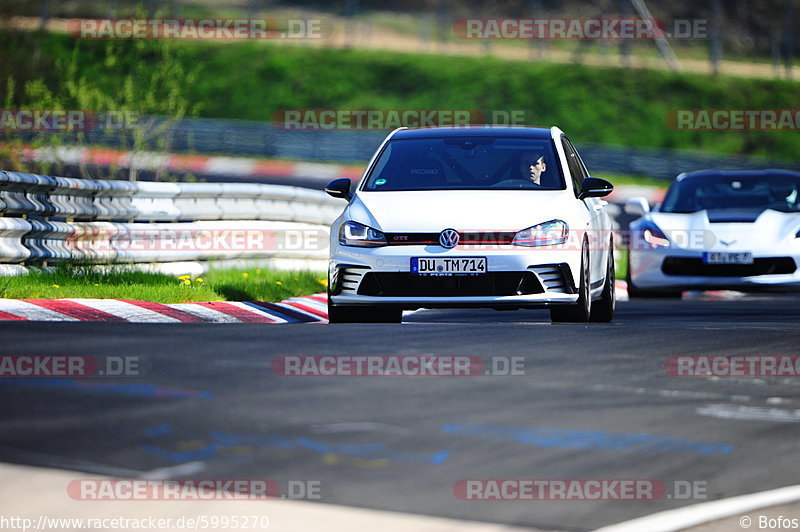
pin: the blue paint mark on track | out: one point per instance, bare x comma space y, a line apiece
220, 441
586, 439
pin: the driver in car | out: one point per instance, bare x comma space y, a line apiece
531, 166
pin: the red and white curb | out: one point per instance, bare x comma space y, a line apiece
306, 309
293, 310
621, 290
652, 194
246, 167
241, 167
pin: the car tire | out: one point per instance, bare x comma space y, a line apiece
581, 310
361, 314
603, 309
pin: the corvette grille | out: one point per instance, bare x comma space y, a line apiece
695, 266
404, 284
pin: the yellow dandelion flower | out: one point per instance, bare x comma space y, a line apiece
296, 279
184, 277
323, 282
56, 286
187, 282
199, 280
278, 282
245, 274
258, 271
97, 284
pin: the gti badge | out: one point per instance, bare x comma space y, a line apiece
448, 238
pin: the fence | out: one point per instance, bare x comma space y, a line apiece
259, 139
44, 220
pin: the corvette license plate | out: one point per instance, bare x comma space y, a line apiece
448, 266
725, 257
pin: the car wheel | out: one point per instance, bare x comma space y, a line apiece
361, 314
604, 308
580, 311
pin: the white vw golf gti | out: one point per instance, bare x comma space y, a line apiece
491, 217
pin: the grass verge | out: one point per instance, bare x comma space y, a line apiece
220, 285
621, 264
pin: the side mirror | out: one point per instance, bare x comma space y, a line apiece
637, 206
594, 187
339, 188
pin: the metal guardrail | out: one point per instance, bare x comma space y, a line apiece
46, 219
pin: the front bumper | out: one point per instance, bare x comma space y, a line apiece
683, 270
549, 275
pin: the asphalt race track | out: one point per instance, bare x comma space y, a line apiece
594, 402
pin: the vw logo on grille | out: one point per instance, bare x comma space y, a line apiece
448, 238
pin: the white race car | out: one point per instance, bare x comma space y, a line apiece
472, 217
737, 230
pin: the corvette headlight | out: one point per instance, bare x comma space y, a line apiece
653, 235
544, 234
356, 234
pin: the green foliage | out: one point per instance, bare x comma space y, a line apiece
252, 80
118, 81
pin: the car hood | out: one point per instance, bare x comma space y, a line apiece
729, 231
463, 210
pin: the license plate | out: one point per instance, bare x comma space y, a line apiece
724, 257
448, 266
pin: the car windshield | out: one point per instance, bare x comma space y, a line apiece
466, 163
750, 192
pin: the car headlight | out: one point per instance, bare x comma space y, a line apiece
544, 234
653, 235
356, 234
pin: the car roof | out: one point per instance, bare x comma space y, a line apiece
736, 173
540, 133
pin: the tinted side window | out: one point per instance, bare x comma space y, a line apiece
584, 171
574, 164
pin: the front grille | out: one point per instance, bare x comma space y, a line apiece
404, 284
464, 238
695, 266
